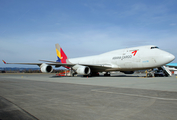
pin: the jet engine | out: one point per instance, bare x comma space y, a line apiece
83, 70
46, 68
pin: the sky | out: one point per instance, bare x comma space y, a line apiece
29, 29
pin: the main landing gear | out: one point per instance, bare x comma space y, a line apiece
92, 74
107, 74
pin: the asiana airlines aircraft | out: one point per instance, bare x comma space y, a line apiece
124, 60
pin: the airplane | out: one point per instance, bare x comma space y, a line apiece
172, 67
125, 60
172, 64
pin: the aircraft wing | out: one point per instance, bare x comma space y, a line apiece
98, 67
92, 66
23, 63
57, 64
51, 63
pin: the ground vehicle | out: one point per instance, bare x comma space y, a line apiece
159, 73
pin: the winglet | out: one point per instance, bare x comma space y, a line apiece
61, 56
3, 61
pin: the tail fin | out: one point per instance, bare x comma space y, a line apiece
3, 61
61, 56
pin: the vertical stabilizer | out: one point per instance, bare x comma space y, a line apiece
61, 56
3, 61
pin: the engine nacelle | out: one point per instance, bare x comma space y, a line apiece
83, 70
46, 68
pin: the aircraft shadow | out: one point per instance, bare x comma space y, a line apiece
80, 76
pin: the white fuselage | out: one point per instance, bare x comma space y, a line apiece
146, 57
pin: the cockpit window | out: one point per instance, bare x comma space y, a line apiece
155, 47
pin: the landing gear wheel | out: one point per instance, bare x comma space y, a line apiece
107, 74
95, 74
85, 75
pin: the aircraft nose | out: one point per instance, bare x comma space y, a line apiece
169, 57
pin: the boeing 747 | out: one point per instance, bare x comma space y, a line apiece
124, 60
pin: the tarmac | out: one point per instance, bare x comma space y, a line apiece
118, 97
